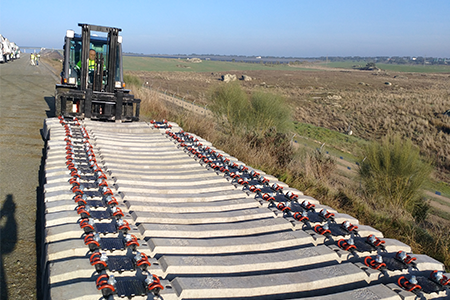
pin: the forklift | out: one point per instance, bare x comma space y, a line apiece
92, 87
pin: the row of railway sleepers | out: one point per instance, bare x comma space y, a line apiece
381, 259
173, 221
244, 247
91, 250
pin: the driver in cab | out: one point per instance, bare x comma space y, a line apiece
91, 63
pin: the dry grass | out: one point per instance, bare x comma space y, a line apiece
412, 106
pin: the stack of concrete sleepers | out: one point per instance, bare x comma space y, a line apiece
208, 226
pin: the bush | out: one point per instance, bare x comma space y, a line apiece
231, 106
269, 111
131, 80
394, 172
259, 115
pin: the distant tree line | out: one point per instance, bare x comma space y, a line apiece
410, 60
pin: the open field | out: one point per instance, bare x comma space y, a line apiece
371, 103
151, 64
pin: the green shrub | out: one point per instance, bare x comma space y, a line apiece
231, 106
394, 172
131, 80
269, 111
258, 115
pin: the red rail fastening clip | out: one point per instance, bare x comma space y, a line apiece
348, 226
100, 175
322, 230
254, 189
242, 181
439, 277
131, 240
291, 195
77, 190
111, 201
141, 260
91, 239
326, 214
117, 212
104, 284
98, 258
264, 180
409, 285
374, 241
302, 217
223, 169
234, 175
254, 174
153, 283
79, 200
307, 205
97, 168
281, 206
268, 197
346, 245
83, 211
376, 263
87, 225
242, 168
123, 225
276, 187
402, 256
107, 191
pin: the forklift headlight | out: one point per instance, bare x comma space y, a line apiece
72, 80
70, 34
118, 85
119, 39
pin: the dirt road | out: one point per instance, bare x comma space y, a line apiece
24, 93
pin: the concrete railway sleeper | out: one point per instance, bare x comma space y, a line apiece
129, 214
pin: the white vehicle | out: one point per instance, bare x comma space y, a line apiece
8, 50
15, 51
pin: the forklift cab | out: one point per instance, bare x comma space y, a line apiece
73, 53
93, 87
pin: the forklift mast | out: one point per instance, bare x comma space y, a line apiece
112, 42
94, 90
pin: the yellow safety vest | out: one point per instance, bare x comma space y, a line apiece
91, 65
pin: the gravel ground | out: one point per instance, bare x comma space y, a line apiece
25, 91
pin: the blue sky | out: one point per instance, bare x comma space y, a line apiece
298, 28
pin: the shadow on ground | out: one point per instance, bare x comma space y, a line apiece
51, 112
8, 238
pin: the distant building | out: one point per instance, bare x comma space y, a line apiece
258, 57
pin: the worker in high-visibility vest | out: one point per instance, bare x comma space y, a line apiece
91, 62
32, 61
